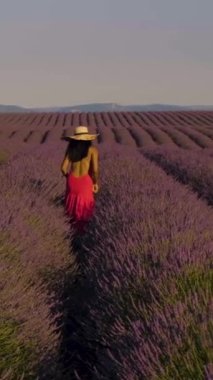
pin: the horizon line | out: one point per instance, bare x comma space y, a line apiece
107, 103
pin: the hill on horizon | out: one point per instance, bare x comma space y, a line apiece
104, 107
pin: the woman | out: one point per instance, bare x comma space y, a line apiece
80, 166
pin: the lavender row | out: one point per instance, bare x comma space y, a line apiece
34, 262
147, 261
190, 167
109, 118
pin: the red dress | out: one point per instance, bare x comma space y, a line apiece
79, 199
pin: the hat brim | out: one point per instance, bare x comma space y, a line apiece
83, 137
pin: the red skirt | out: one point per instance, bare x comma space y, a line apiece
79, 198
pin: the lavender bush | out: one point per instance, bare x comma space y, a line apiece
180, 138
122, 136
190, 167
204, 130
34, 263
150, 271
158, 135
199, 138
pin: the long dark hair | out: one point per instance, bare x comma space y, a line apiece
77, 149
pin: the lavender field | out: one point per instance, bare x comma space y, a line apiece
132, 298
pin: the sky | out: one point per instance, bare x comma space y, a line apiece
69, 52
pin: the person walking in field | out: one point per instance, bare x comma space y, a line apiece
80, 166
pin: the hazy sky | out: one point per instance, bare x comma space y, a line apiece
67, 52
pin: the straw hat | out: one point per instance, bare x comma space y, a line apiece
82, 133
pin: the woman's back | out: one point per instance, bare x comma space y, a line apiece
81, 167
87, 165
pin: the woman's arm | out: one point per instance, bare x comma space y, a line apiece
65, 165
95, 168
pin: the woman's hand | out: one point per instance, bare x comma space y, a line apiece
95, 188
64, 174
